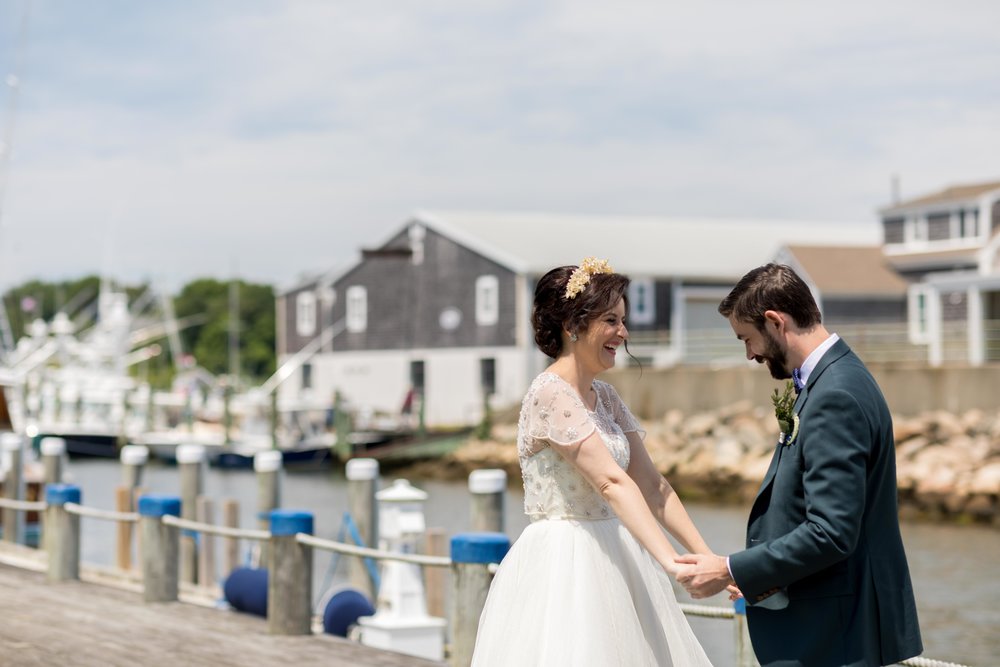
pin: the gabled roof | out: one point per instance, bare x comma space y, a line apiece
953, 194
848, 271
691, 248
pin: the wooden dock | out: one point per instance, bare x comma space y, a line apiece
87, 624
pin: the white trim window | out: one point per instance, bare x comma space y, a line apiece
918, 305
305, 313
642, 301
487, 300
357, 308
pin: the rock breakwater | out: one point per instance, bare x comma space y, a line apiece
948, 465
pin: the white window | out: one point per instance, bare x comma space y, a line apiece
642, 301
917, 307
357, 308
487, 300
305, 313
968, 223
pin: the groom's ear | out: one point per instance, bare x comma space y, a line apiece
775, 321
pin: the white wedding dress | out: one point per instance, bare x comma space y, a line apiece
576, 588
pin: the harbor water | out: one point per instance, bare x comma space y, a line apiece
954, 568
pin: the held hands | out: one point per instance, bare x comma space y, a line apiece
704, 575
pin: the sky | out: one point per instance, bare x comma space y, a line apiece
267, 139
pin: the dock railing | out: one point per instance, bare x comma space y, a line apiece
291, 544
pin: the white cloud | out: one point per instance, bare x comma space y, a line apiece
280, 137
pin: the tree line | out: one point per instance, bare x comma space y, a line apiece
202, 310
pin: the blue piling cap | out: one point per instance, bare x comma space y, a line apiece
740, 606
60, 494
157, 505
479, 547
290, 522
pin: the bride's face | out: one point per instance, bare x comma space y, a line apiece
599, 343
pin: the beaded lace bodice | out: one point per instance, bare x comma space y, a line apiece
553, 415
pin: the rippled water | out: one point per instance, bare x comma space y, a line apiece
954, 568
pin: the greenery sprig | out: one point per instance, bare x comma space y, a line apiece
784, 411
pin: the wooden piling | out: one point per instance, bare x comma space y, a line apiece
231, 550
63, 531
744, 649
289, 580
206, 554
435, 544
123, 547
488, 488
267, 465
189, 464
53, 450
133, 459
160, 547
362, 484
471, 555
12, 445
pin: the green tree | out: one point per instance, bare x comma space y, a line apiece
209, 341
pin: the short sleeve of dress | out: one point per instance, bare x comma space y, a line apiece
557, 414
619, 411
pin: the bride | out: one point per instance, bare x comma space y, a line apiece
587, 581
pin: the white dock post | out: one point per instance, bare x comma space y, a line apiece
488, 488
159, 547
63, 531
13, 521
289, 574
53, 450
133, 458
189, 462
267, 465
471, 555
362, 484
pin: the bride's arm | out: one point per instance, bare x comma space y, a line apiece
661, 498
620, 491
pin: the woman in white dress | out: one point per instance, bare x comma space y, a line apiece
588, 581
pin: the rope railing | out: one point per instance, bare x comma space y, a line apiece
365, 552
927, 662
705, 611
23, 505
107, 515
225, 531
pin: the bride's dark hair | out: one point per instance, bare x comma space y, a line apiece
553, 312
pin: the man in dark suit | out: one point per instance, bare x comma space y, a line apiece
824, 572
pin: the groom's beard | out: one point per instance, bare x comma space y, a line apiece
776, 359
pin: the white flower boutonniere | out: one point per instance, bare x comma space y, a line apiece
784, 410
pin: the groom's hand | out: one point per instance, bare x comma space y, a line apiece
703, 575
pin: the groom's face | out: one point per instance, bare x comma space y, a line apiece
763, 347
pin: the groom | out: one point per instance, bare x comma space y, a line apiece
824, 573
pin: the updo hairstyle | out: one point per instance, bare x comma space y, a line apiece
553, 312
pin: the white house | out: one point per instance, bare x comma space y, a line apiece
443, 304
947, 246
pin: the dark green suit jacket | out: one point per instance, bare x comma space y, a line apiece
824, 573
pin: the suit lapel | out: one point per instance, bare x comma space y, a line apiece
838, 350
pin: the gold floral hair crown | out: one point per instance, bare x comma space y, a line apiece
578, 280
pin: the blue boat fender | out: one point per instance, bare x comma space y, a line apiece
344, 609
246, 590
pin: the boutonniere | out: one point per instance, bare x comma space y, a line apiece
784, 410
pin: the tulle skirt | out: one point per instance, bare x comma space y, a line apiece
580, 593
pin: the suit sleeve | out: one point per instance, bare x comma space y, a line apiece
835, 452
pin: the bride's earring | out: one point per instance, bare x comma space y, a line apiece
573, 337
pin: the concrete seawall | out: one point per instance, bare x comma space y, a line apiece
909, 390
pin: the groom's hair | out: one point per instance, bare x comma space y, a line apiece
771, 287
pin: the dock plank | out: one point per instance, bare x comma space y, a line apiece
79, 623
